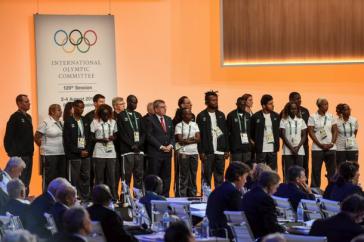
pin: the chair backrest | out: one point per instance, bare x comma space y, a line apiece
183, 211
303, 238
239, 226
312, 209
51, 224
97, 234
329, 207
158, 208
284, 208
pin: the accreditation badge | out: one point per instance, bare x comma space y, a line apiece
136, 136
269, 137
81, 143
322, 133
244, 138
349, 143
295, 141
109, 147
218, 132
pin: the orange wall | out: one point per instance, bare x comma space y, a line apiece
165, 49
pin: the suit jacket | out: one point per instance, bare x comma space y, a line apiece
66, 237
261, 213
224, 198
16, 208
57, 211
257, 124
111, 223
156, 137
70, 138
36, 222
340, 191
126, 132
18, 139
233, 127
293, 193
205, 146
3, 198
146, 200
338, 228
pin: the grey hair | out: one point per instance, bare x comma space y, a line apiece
320, 100
15, 162
116, 100
157, 102
19, 236
55, 184
63, 191
15, 187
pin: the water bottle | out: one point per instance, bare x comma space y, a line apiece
136, 216
300, 213
165, 221
205, 192
205, 228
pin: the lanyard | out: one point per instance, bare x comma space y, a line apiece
189, 130
242, 129
290, 127
80, 132
351, 129
59, 125
103, 130
131, 123
325, 121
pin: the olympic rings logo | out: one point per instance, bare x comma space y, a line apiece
75, 40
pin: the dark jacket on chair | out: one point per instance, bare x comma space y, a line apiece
16, 208
261, 212
338, 228
205, 146
57, 211
224, 198
293, 193
257, 125
156, 137
111, 223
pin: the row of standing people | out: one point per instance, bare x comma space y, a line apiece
106, 143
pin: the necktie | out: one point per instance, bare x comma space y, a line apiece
163, 125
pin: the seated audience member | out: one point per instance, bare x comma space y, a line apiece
153, 188
3, 198
259, 206
13, 169
65, 198
226, 197
255, 174
16, 205
274, 238
178, 232
344, 226
36, 222
359, 238
296, 187
19, 236
344, 185
111, 222
77, 225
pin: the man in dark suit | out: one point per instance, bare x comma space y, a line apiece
226, 197
131, 136
160, 138
344, 226
66, 198
238, 125
150, 112
111, 222
77, 146
77, 225
36, 222
305, 114
296, 187
259, 206
265, 133
16, 205
214, 145
153, 188
19, 139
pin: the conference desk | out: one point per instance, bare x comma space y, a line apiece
159, 237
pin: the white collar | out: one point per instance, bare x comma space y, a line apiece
54, 199
7, 175
294, 119
183, 122
80, 236
23, 201
159, 117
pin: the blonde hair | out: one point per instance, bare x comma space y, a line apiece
259, 169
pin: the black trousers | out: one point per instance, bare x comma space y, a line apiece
186, 177
347, 155
27, 172
133, 166
290, 160
270, 158
318, 157
214, 165
104, 170
306, 157
161, 166
53, 166
80, 176
242, 156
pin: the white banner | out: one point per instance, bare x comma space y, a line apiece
75, 59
